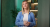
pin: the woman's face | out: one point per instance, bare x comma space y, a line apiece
25, 5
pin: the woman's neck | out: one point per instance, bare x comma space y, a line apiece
26, 11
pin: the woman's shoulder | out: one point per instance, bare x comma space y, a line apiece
20, 12
31, 12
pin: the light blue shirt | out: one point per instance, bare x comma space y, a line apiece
19, 19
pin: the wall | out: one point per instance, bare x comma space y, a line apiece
43, 13
0, 13
7, 5
7, 20
49, 14
18, 4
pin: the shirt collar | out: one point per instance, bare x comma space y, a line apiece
29, 13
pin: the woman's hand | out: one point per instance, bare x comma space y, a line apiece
29, 23
26, 23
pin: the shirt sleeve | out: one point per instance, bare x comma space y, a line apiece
17, 21
33, 23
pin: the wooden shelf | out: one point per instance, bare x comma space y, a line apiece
34, 10
34, 3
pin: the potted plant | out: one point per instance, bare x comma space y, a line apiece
14, 14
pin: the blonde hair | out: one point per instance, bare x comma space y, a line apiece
23, 8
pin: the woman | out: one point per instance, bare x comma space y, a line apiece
25, 18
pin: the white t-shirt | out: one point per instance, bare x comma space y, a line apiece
25, 18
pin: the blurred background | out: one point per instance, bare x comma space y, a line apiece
10, 8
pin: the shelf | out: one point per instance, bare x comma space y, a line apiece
29, 1
34, 10
34, 3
